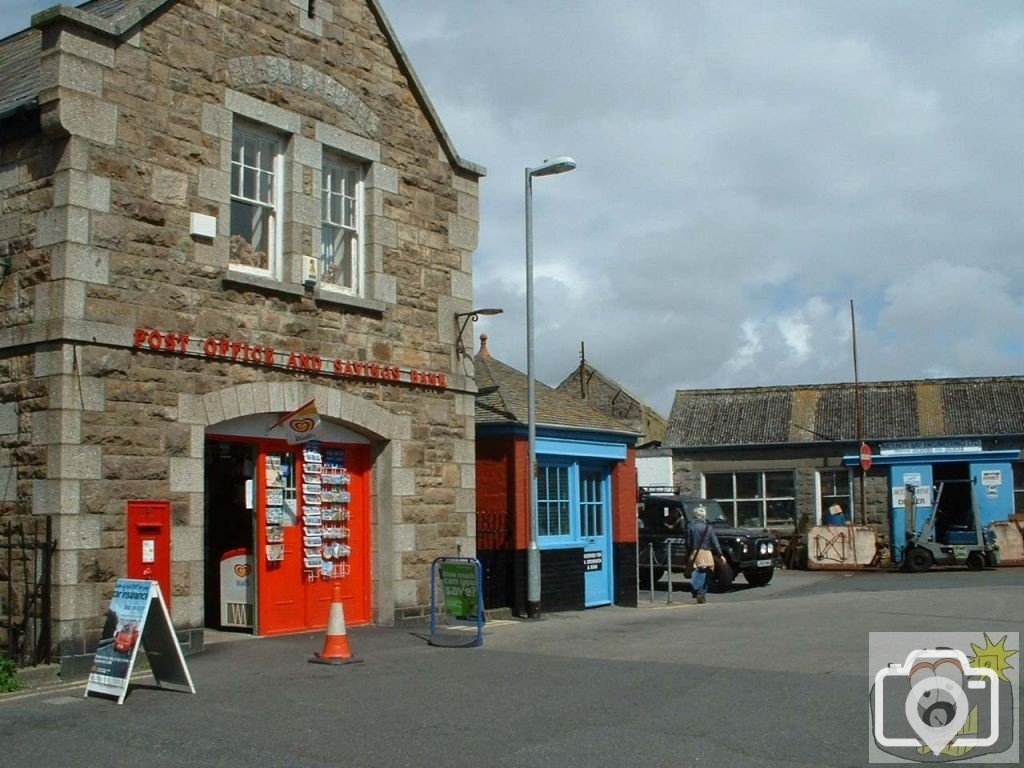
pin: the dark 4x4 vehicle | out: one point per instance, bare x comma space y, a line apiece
662, 520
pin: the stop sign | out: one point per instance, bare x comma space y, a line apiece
865, 456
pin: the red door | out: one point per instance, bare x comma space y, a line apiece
293, 590
279, 587
356, 566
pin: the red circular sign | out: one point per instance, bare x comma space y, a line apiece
865, 456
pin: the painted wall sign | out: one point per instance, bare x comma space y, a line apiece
922, 496
991, 477
235, 351
905, 447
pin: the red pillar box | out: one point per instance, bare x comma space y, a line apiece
149, 543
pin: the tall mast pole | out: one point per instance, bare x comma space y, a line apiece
857, 411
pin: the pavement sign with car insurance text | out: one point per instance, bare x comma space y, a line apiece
137, 616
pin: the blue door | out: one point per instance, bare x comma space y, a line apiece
595, 519
917, 477
993, 490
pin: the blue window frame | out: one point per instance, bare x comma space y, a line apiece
592, 483
572, 501
553, 501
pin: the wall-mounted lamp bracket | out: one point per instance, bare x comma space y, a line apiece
462, 319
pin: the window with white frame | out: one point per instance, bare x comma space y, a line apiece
341, 224
834, 488
256, 200
755, 499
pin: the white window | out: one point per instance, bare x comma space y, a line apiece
256, 201
341, 225
755, 499
834, 488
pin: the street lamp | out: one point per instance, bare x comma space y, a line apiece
547, 168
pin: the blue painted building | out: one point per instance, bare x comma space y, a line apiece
585, 491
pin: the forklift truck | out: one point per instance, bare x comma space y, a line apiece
952, 534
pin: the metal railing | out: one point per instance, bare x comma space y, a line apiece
26, 551
668, 566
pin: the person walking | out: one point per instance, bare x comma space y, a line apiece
705, 549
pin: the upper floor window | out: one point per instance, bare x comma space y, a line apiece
256, 200
341, 224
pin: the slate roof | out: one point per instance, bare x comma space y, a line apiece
623, 404
19, 59
502, 399
970, 407
19, 70
20, 53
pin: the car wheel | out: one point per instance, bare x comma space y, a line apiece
975, 561
720, 580
918, 560
759, 578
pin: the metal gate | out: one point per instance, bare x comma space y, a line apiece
494, 550
26, 557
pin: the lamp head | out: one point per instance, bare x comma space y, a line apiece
551, 167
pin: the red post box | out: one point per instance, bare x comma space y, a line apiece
149, 543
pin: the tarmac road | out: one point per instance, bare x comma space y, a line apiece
776, 676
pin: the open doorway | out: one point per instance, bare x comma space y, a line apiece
953, 505
229, 533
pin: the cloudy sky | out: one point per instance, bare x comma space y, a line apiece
745, 171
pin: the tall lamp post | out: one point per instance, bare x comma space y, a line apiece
547, 168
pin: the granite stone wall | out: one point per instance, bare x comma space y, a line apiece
97, 218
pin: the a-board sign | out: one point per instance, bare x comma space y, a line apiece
461, 602
137, 616
459, 580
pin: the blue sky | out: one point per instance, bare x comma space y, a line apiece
745, 171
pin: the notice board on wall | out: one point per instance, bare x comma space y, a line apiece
137, 617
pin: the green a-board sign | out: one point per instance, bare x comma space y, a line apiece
461, 593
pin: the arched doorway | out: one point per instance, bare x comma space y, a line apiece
283, 525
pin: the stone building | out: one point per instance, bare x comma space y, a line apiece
778, 457
214, 213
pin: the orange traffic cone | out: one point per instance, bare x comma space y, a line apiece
336, 650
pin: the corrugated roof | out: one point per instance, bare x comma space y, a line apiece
889, 410
502, 399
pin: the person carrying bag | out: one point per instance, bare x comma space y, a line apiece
704, 553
